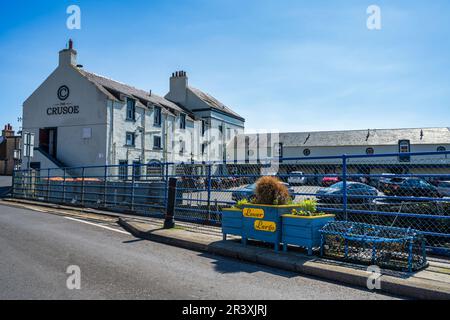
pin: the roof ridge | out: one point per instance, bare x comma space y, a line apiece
122, 83
364, 130
214, 103
107, 84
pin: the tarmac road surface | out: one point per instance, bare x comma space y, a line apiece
36, 248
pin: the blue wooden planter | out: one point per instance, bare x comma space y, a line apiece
231, 222
263, 222
303, 231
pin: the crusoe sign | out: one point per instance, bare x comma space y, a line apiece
63, 108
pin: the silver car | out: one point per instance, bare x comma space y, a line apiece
297, 177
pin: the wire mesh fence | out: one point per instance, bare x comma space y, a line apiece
394, 248
395, 190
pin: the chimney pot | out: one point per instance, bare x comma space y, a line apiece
70, 44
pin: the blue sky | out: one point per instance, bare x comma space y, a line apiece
286, 65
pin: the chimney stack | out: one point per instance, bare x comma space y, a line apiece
178, 87
8, 131
68, 57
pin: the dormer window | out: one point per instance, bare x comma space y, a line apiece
157, 116
131, 109
182, 121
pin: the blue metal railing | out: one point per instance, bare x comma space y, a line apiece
205, 188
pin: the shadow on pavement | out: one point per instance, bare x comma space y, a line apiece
229, 265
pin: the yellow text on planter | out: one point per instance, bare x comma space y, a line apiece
268, 226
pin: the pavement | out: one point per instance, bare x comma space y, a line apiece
39, 243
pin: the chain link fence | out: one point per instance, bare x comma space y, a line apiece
396, 190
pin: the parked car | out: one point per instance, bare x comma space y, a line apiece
444, 188
216, 182
229, 182
297, 177
248, 192
435, 181
408, 187
329, 181
335, 193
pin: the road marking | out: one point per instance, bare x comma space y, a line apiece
98, 225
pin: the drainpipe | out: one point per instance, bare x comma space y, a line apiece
165, 138
143, 138
112, 153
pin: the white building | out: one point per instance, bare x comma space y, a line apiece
83, 119
310, 146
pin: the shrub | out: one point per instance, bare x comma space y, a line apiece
307, 207
270, 191
241, 203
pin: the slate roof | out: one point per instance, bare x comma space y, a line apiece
214, 103
372, 137
112, 89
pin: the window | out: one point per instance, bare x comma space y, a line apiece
221, 129
182, 147
306, 152
156, 142
404, 147
203, 148
157, 116
441, 149
130, 138
131, 109
370, 151
123, 169
182, 121
279, 151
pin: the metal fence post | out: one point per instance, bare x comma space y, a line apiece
344, 181
133, 177
13, 182
30, 181
64, 187
105, 184
169, 221
208, 205
167, 182
82, 186
48, 184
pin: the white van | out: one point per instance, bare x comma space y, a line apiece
297, 177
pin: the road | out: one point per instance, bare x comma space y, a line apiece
36, 249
